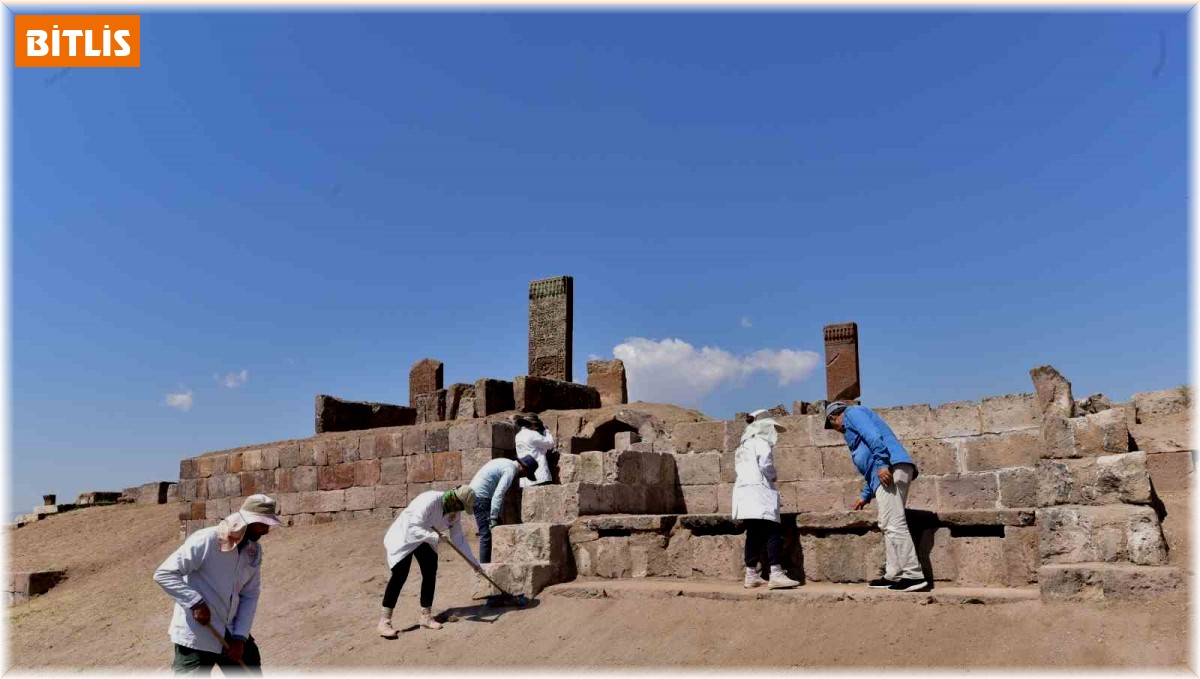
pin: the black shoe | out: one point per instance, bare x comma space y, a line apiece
881, 583
909, 585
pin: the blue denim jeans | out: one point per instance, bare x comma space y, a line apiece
483, 512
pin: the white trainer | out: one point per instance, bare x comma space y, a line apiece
427, 620
780, 580
753, 579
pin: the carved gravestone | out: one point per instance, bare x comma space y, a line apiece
424, 378
551, 317
841, 362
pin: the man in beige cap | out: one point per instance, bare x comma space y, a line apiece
214, 578
415, 533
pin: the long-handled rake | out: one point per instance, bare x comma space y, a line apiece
223, 644
504, 598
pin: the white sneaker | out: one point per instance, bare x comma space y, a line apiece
386, 630
753, 579
780, 580
427, 620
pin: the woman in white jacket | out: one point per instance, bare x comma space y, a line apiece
415, 533
756, 501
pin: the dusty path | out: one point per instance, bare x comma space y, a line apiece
323, 585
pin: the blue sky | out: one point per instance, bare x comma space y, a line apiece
320, 200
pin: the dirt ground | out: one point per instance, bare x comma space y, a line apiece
323, 585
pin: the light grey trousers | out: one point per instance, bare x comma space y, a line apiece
902, 559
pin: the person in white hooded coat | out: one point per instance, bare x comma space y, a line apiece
756, 501
415, 534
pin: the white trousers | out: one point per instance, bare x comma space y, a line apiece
902, 559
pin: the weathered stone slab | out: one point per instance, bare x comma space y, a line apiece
425, 377
335, 414
997, 451
909, 422
968, 491
1092, 405
717, 556
796, 434
518, 578
843, 557
1104, 581
821, 495
431, 407
551, 322
447, 466
1104, 433
101, 497
1107, 479
534, 394
694, 437
797, 464
1009, 413
460, 401
958, 418
321, 501
608, 378
1053, 392
493, 396
551, 503
699, 499
1081, 534
655, 523
1154, 405
842, 381
391, 495
933, 456
211, 465
19, 586
1018, 487
332, 477
836, 520
698, 469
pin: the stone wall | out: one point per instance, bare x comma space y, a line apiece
972, 455
341, 475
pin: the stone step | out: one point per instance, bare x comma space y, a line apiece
663, 588
520, 578
21, 585
563, 503
1105, 581
530, 543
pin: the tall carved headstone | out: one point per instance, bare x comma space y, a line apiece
424, 378
551, 317
841, 362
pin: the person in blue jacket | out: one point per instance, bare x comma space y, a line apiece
887, 470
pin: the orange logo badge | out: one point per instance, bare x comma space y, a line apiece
80, 40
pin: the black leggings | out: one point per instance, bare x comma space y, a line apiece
427, 559
759, 531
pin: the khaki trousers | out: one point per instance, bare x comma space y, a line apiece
902, 559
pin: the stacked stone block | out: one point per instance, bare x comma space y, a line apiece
1100, 533
335, 414
20, 586
527, 558
341, 475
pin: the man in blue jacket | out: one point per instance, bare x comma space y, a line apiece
887, 470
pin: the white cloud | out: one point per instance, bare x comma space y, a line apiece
673, 371
233, 380
182, 401
746, 322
